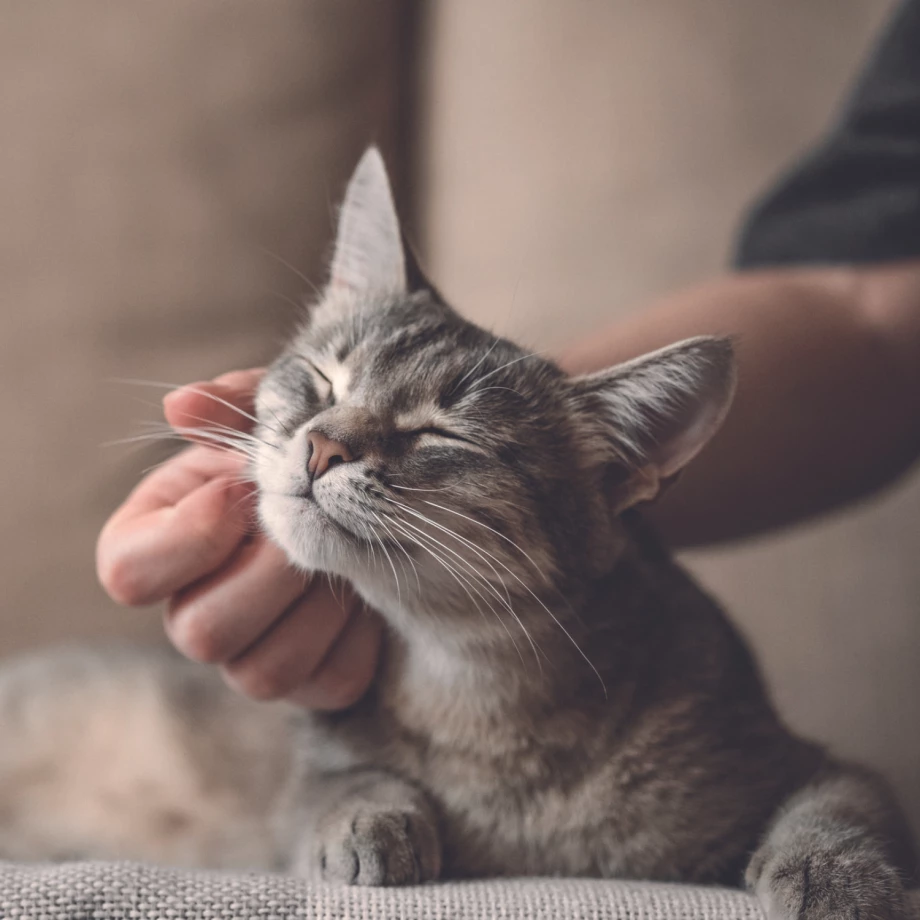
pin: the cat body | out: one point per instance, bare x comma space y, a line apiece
673, 773
555, 696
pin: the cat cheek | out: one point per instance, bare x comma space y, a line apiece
277, 521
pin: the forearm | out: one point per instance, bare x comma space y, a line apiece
828, 392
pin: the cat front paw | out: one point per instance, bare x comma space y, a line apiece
827, 882
378, 847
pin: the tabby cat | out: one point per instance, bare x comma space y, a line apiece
555, 697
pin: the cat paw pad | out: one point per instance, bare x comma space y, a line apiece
379, 848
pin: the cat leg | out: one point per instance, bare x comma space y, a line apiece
365, 827
839, 849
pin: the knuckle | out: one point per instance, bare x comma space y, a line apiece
195, 633
340, 688
258, 683
208, 547
122, 578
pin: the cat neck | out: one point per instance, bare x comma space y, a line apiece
577, 647
441, 676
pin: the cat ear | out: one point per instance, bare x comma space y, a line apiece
650, 417
369, 255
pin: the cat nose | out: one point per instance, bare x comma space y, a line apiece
325, 453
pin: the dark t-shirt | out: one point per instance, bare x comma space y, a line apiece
856, 197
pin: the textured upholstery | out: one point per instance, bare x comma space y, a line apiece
92, 891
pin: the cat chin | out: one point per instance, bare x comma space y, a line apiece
309, 537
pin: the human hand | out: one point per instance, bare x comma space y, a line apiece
184, 536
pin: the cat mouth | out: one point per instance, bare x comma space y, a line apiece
306, 498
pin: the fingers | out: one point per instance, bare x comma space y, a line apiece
219, 617
235, 601
321, 653
273, 639
274, 636
176, 527
347, 671
213, 401
292, 650
167, 485
187, 518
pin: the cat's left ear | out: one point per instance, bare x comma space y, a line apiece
369, 255
648, 418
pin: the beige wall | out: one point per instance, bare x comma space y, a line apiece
584, 157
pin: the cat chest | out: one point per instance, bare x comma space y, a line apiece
509, 811
508, 802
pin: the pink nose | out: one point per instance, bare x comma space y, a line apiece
325, 453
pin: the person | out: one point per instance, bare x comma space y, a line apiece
824, 304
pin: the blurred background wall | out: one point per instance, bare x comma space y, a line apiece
157, 161
564, 163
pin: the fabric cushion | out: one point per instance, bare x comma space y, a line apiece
118, 891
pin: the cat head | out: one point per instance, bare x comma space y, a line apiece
442, 469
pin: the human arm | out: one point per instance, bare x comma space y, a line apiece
828, 402
826, 316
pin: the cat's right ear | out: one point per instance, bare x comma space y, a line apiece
647, 419
369, 255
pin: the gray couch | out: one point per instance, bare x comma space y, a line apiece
123, 891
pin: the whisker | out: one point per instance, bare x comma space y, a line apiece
505, 601
480, 390
396, 542
481, 553
129, 381
248, 447
231, 430
412, 489
154, 437
245, 445
300, 307
497, 534
296, 271
214, 441
237, 504
462, 580
465, 583
530, 591
393, 567
284, 427
476, 365
497, 369
492, 499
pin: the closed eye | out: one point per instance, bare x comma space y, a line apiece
324, 384
319, 373
442, 433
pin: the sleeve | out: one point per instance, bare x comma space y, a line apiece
856, 196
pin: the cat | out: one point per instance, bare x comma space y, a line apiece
555, 695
